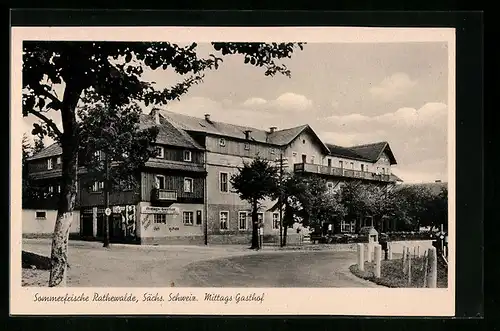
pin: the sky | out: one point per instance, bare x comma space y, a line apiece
348, 93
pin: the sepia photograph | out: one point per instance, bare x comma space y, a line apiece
250, 164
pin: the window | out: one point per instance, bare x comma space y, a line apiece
242, 220
276, 220
294, 157
224, 220
347, 226
352, 165
41, 215
304, 158
160, 182
58, 188
160, 218
341, 164
49, 164
247, 146
58, 160
312, 159
187, 217
188, 185
272, 151
223, 179
329, 162
98, 155
51, 189
198, 217
98, 186
222, 142
260, 217
160, 152
383, 171
187, 155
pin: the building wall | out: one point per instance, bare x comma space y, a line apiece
42, 164
241, 148
45, 226
304, 144
174, 231
174, 182
177, 154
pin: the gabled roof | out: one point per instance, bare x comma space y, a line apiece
345, 152
49, 151
374, 151
278, 137
168, 134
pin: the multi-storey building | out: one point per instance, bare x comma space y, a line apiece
185, 193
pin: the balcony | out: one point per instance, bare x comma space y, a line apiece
163, 195
341, 172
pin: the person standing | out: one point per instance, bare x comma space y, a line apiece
261, 235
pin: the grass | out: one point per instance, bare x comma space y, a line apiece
392, 274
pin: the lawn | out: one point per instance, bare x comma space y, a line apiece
392, 273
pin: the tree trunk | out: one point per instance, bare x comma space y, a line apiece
69, 144
285, 231
255, 227
107, 188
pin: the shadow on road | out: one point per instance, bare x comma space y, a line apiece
35, 261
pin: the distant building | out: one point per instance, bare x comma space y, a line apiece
185, 194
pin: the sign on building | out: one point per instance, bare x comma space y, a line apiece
160, 210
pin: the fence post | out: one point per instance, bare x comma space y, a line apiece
426, 264
432, 276
361, 257
409, 268
369, 254
378, 260
404, 260
418, 251
389, 250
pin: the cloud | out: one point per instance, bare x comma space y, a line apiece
432, 114
292, 101
393, 86
252, 102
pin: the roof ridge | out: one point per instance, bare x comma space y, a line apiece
369, 144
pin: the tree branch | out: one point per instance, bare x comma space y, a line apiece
47, 120
40, 90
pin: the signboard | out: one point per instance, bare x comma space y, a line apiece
117, 209
107, 211
160, 210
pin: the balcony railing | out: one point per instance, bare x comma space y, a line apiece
164, 195
341, 172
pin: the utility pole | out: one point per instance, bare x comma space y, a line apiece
106, 200
281, 199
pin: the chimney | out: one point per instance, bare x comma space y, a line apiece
155, 113
437, 181
207, 117
247, 134
272, 129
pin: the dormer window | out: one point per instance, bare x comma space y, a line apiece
222, 142
187, 156
49, 164
247, 146
160, 152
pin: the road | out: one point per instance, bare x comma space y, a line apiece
196, 266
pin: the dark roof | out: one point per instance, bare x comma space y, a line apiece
374, 151
345, 152
278, 137
49, 151
169, 134
174, 165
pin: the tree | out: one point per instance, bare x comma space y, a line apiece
115, 133
39, 144
351, 197
254, 182
112, 70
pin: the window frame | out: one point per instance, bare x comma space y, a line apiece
50, 164
222, 142
246, 146
163, 218
227, 220
58, 160
191, 185
277, 219
188, 212
188, 159
220, 181
44, 217
160, 152
239, 220
164, 181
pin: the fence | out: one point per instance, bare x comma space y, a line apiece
413, 267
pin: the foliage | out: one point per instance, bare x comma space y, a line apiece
115, 132
254, 182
